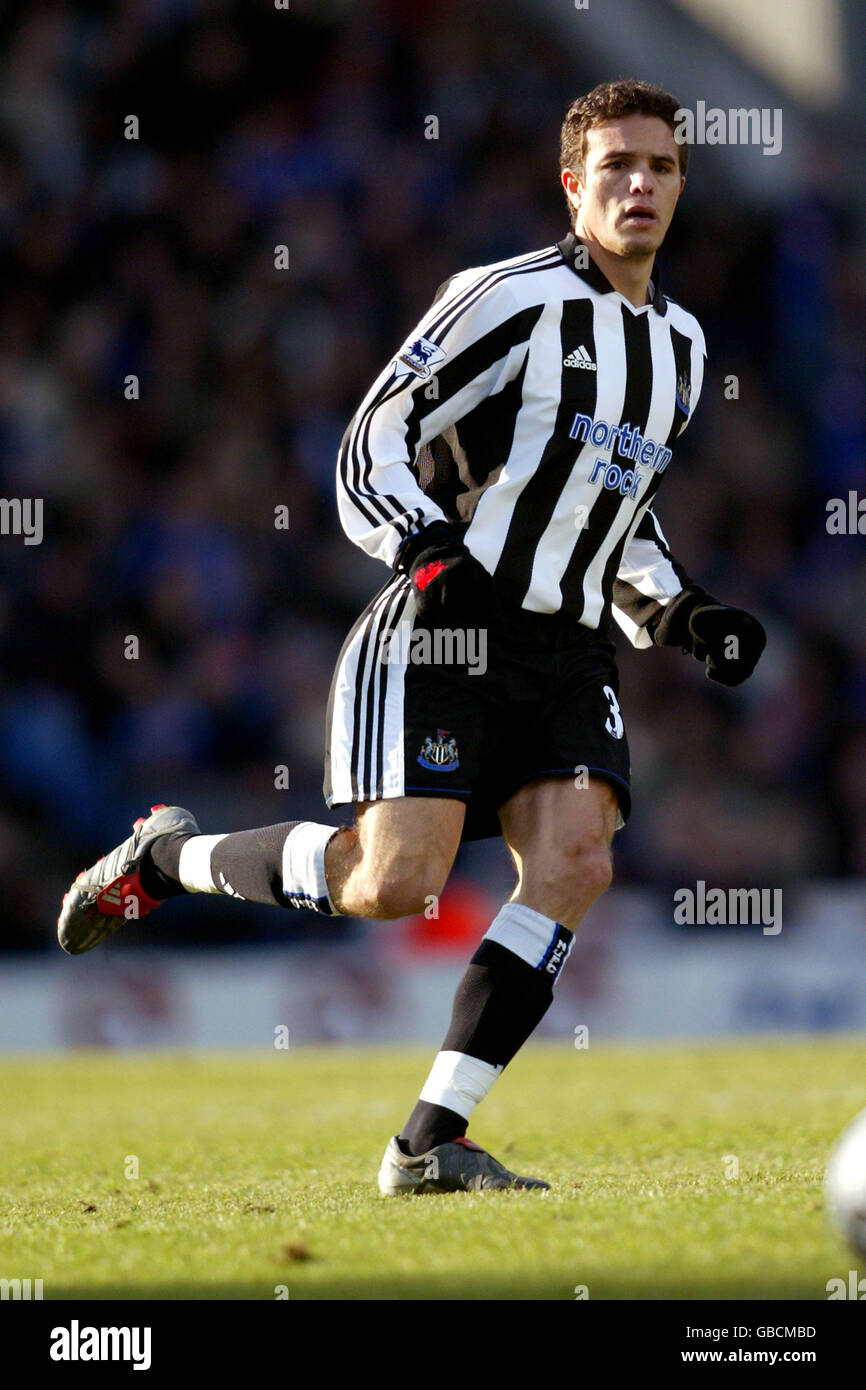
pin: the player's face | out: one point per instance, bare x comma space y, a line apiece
630, 186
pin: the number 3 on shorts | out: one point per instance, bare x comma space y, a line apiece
614, 724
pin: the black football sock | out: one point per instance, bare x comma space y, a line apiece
247, 864
499, 1002
429, 1125
159, 866
251, 863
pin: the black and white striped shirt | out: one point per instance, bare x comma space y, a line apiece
537, 404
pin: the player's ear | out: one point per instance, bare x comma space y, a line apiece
571, 184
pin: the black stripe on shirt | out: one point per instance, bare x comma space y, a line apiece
454, 375
486, 434
603, 512
537, 501
629, 600
356, 461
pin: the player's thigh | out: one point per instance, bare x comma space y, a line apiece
559, 831
410, 838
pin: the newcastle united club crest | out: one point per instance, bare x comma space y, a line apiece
440, 753
684, 391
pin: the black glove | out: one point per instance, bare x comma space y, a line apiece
450, 585
703, 627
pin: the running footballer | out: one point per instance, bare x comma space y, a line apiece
503, 467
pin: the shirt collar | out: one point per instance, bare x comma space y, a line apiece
596, 279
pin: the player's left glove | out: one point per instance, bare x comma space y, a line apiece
728, 640
450, 585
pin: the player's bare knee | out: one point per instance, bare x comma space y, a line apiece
564, 884
592, 868
584, 856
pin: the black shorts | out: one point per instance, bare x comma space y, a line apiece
417, 710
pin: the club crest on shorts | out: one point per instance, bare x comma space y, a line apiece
440, 753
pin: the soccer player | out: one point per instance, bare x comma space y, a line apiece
503, 466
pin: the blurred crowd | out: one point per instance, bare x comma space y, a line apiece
166, 389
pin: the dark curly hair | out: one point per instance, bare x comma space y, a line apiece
607, 101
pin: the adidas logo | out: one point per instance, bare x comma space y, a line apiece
226, 888
580, 358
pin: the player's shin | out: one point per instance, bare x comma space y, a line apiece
505, 993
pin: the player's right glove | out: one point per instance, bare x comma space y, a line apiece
704, 627
451, 587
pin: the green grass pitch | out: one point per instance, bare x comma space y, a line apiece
677, 1171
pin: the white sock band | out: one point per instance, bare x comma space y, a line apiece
537, 939
193, 868
459, 1082
304, 882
